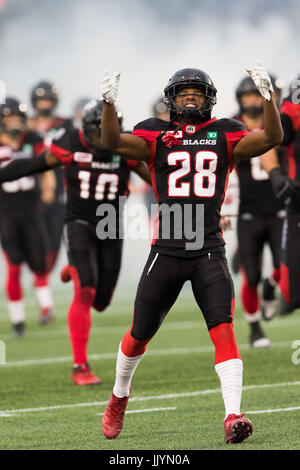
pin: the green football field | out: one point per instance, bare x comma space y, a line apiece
176, 402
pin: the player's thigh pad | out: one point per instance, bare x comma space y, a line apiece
159, 287
11, 240
36, 243
213, 289
251, 238
81, 243
108, 267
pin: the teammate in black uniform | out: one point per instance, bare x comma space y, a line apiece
190, 158
23, 234
287, 189
260, 219
44, 100
95, 178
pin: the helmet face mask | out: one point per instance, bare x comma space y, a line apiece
190, 79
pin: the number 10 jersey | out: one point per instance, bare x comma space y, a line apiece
190, 167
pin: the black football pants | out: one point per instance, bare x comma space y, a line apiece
161, 283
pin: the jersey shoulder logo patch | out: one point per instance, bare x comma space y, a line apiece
83, 157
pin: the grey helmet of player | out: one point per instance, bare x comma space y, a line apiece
44, 98
190, 78
13, 117
247, 86
294, 90
160, 109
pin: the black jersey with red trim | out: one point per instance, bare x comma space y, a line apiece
290, 118
93, 176
190, 170
21, 196
256, 194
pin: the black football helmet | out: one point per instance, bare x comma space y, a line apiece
13, 107
44, 90
190, 78
91, 121
247, 85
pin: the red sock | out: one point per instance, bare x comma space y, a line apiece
225, 344
13, 285
40, 280
132, 347
79, 321
276, 276
249, 297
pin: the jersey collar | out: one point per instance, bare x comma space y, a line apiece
197, 126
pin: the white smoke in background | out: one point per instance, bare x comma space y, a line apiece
72, 42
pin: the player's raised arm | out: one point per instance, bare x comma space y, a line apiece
260, 142
128, 145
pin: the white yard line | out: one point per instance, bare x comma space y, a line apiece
150, 410
5, 413
157, 352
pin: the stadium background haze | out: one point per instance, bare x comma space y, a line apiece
72, 42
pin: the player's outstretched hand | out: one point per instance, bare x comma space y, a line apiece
261, 79
109, 87
284, 188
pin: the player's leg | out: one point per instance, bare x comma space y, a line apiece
53, 216
159, 287
251, 237
290, 266
269, 302
14, 256
213, 290
36, 248
82, 253
109, 256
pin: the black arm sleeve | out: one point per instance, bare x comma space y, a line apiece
24, 167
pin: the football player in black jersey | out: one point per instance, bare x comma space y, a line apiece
23, 234
286, 187
259, 221
190, 158
44, 100
95, 178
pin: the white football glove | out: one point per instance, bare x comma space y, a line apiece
109, 87
261, 79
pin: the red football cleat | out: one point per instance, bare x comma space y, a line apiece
237, 429
112, 422
46, 316
65, 275
82, 375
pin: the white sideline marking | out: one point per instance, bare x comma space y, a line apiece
276, 410
144, 411
4, 413
154, 352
